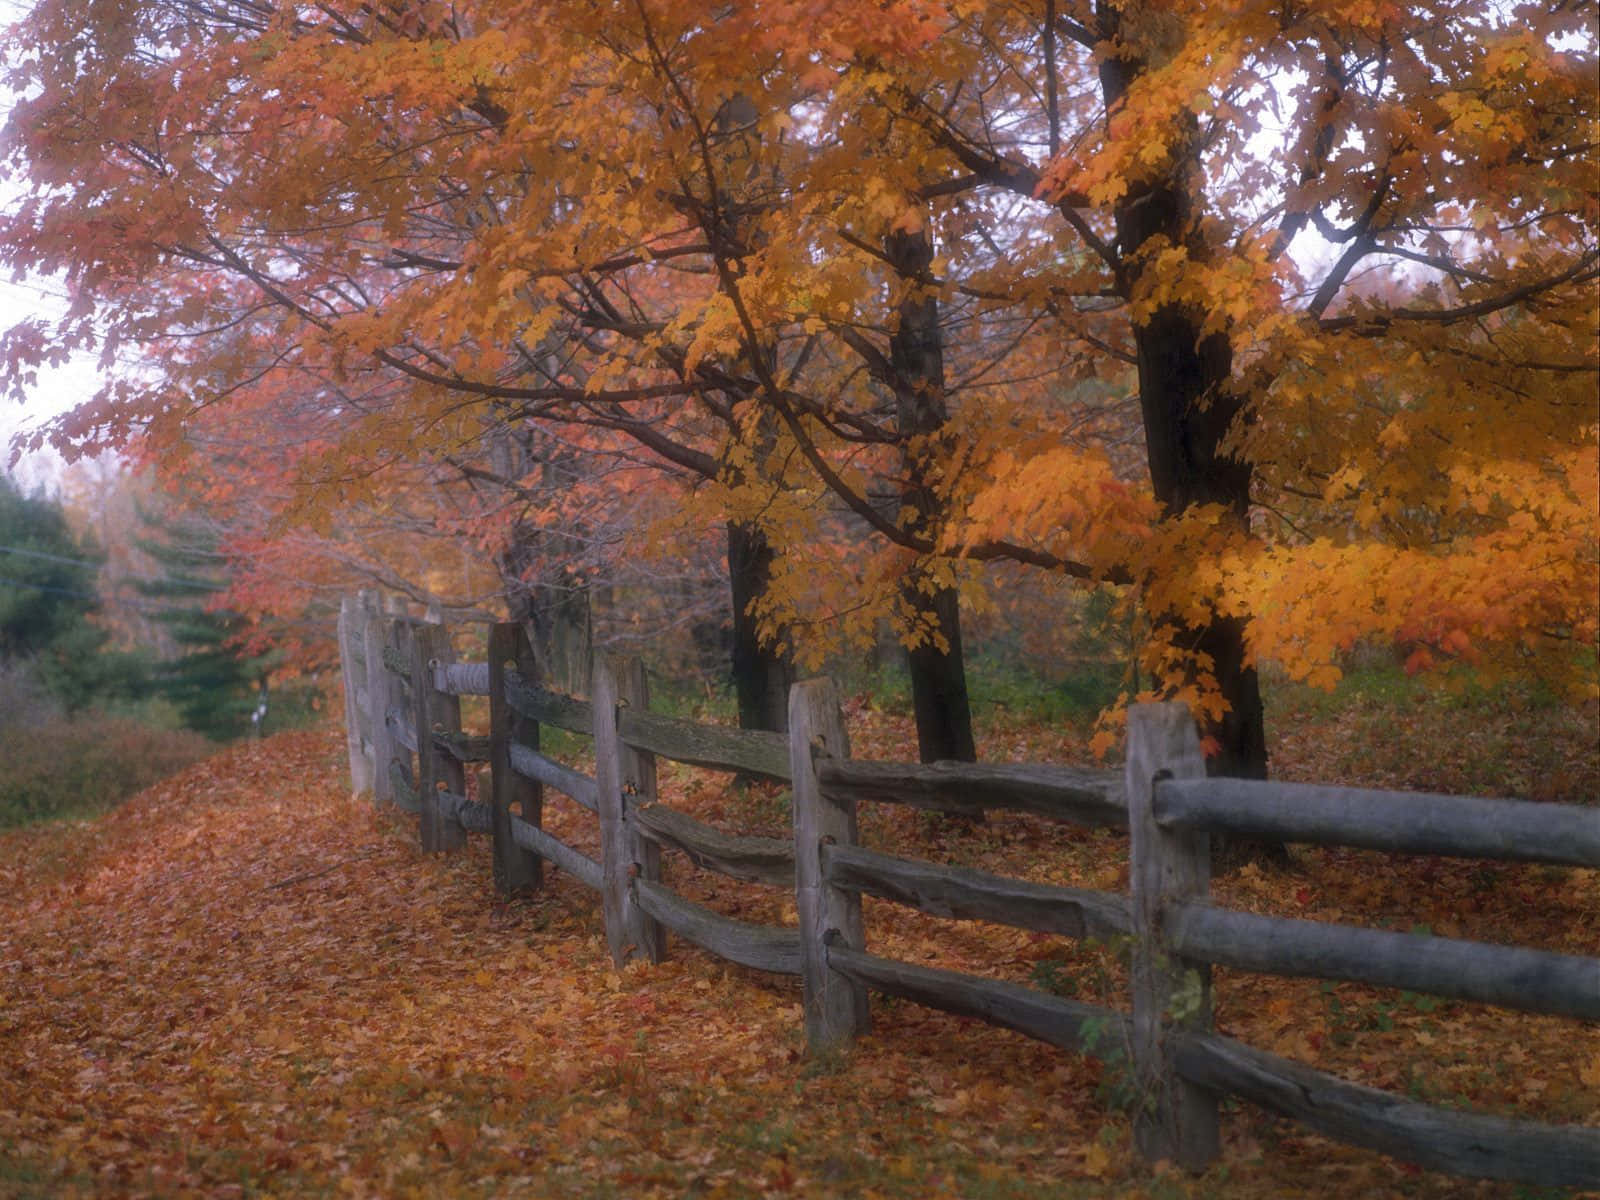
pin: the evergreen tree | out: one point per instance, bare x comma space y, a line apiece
218, 690
47, 597
47, 577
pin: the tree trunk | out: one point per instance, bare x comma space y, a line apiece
1189, 408
916, 354
761, 673
939, 688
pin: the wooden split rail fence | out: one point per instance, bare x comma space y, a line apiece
402, 689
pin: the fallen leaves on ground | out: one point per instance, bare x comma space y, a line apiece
245, 983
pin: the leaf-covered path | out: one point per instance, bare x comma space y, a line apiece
243, 983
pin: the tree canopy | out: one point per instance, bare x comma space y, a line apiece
1279, 319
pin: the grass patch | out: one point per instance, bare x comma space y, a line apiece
75, 767
1382, 728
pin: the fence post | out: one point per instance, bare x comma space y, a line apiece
399, 701
433, 710
618, 770
1176, 1120
515, 869
373, 639
357, 726
836, 1010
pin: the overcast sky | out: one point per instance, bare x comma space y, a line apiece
58, 389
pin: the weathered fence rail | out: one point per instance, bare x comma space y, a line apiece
403, 721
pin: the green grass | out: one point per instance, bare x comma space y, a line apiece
86, 764
997, 683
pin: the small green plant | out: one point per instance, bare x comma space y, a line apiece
1188, 999
1054, 975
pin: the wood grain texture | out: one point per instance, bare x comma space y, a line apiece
516, 869
353, 675
1175, 1119
1077, 795
970, 895
384, 751
574, 862
756, 752
533, 765
1471, 1144
437, 713
618, 770
462, 678
756, 859
835, 1005
761, 946
1509, 976
1068, 1024
547, 707
1399, 822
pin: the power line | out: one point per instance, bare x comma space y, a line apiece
44, 587
71, 562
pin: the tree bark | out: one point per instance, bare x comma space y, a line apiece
1188, 408
761, 672
939, 687
916, 354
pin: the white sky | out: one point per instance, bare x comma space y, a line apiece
58, 389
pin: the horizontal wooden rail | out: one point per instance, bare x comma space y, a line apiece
717, 747
1509, 976
473, 816
461, 678
761, 946
1399, 822
530, 764
1439, 1139
1064, 1023
977, 895
574, 862
463, 747
1078, 795
547, 707
756, 859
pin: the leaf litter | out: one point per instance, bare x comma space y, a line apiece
243, 983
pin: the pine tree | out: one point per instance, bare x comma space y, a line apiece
218, 689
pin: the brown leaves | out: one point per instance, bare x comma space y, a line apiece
171, 1023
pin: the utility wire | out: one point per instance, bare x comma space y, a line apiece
71, 562
44, 587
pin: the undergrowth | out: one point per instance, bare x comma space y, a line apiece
83, 765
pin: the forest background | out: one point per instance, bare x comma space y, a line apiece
1234, 336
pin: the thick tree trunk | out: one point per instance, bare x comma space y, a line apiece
761, 672
1189, 408
939, 688
938, 670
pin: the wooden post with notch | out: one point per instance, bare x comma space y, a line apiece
1176, 1119
623, 776
357, 729
374, 636
438, 774
515, 869
836, 1011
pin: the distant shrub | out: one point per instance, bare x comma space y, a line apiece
86, 764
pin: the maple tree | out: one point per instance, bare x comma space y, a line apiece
1344, 257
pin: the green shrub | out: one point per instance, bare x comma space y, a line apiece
86, 764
